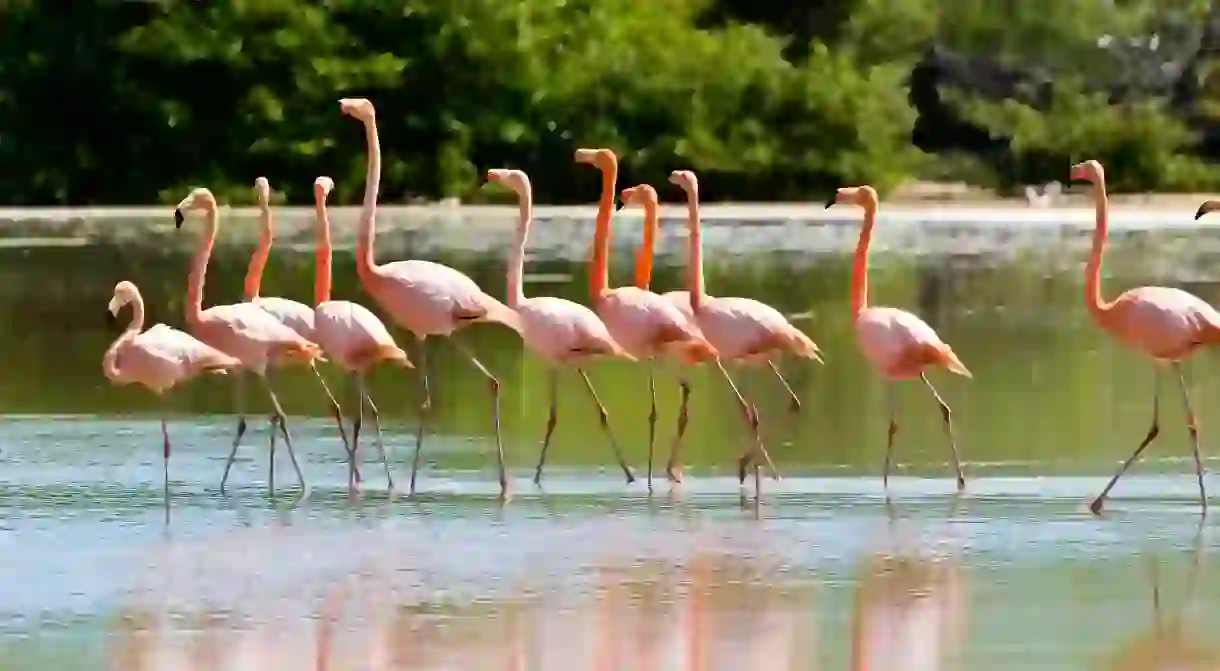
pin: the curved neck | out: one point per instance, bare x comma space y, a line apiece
516, 259
321, 283
372, 183
695, 272
859, 264
258, 262
110, 360
599, 266
643, 258
199, 269
1092, 273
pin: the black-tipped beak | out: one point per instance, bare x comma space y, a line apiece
1202, 211
620, 207
830, 202
178, 218
111, 318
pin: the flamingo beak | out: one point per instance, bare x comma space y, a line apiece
831, 202
1206, 207
178, 218
111, 318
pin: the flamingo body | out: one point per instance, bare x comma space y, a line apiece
251, 335
743, 328
899, 345
1165, 323
296, 316
429, 298
561, 331
646, 324
163, 357
352, 336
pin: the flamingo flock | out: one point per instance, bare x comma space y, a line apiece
687, 326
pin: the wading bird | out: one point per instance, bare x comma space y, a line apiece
159, 359
559, 331
642, 322
1165, 324
242, 330
426, 298
897, 344
350, 335
739, 328
296, 316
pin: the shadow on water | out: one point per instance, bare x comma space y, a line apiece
588, 570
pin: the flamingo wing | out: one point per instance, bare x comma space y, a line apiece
640, 320
296, 316
681, 301
437, 294
556, 328
1164, 321
250, 322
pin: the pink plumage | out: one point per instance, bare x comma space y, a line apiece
743, 328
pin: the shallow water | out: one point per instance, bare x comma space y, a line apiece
590, 572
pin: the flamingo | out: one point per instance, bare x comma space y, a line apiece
159, 359
559, 331
348, 332
896, 343
242, 330
1165, 324
424, 297
644, 323
739, 328
294, 315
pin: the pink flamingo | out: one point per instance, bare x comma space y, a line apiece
898, 344
739, 328
294, 315
241, 330
644, 323
351, 335
1165, 324
559, 331
160, 358
424, 297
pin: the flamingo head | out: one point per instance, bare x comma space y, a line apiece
516, 180
1207, 206
602, 159
197, 199
360, 108
124, 293
262, 189
1088, 171
865, 196
322, 187
685, 179
643, 194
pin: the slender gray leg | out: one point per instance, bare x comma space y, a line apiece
604, 418
1152, 434
652, 418
425, 411
495, 413
946, 416
552, 420
673, 468
751, 416
1193, 427
279, 411
357, 424
794, 402
385, 461
338, 413
165, 462
891, 402
239, 405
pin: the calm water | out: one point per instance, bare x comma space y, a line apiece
1014, 574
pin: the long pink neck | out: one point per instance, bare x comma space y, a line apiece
695, 272
516, 259
365, 265
1097, 305
321, 284
258, 262
199, 269
110, 362
859, 265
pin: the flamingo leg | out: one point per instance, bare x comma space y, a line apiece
652, 418
283, 419
275, 426
751, 415
338, 411
1192, 425
1152, 434
425, 411
673, 469
891, 402
946, 415
794, 402
604, 418
357, 424
239, 405
385, 460
552, 420
165, 462
495, 413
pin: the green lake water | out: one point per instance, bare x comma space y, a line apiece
589, 571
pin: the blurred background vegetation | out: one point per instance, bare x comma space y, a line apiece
131, 101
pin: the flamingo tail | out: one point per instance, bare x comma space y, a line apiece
302, 352
494, 311
384, 352
795, 341
689, 345
945, 356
